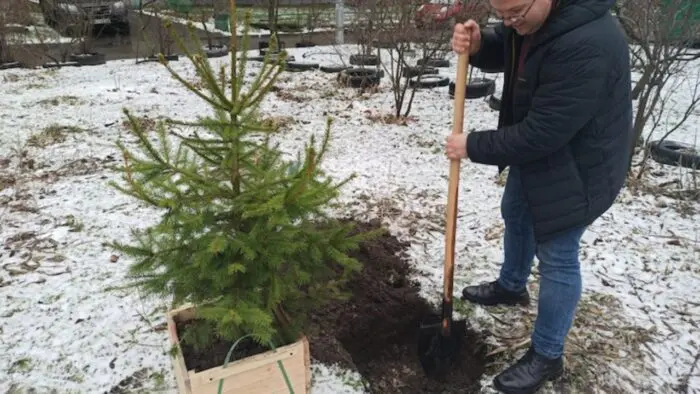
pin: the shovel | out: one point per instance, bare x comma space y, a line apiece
440, 337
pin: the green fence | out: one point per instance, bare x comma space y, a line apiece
686, 18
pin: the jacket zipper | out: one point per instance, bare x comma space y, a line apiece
512, 57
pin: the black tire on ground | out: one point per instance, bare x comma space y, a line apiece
88, 59
156, 58
59, 65
9, 65
359, 77
675, 153
216, 50
332, 69
410, 72
494, 103
476, 88
300, 66
433, 62
263, 45
428, 81
273, 58
364, 60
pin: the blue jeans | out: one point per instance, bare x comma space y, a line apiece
560, 284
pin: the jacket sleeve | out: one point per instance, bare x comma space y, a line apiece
490, 54
571, 81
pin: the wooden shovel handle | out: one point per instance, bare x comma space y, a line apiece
453, 188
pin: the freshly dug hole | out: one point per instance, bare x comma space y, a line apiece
376, 331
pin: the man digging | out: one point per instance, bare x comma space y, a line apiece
565, 132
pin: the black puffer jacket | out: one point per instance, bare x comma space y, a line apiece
567, 120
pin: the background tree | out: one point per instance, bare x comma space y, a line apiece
153, 27
661, 33
366, 25
406, 35
273, 7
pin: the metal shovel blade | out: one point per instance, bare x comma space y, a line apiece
437, 352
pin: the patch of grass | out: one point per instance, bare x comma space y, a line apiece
414, 139
34, 86
502, 177
74, 224
287, 95
55, 101
158, 380
6, 180
10, 78
353, 381
394, 120
328, 93
277, 123
74, 374
53, 134
21, 365
147, 124
463, 308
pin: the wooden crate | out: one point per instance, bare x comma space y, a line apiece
259, 374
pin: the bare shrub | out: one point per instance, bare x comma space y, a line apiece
661, 34
152, 29
15, 24
407, 34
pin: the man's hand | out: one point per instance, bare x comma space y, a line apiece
466, 37
456, 146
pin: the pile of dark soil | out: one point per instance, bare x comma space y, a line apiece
375, 332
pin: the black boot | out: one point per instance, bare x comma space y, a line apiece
494, 294
528, 374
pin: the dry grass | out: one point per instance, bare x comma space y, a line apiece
425, 141
389, 118
389, 211
278, 123
601, 347
67, 100
683, 189
145, 123
289, 95
51, 135
502, 178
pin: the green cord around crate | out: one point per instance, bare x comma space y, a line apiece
279, 364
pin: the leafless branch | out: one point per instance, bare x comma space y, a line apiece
659, 34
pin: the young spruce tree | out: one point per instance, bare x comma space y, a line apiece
244, 236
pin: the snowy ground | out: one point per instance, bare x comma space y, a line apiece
62, 330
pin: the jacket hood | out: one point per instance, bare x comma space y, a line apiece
570, 14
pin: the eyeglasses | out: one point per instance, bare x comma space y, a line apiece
515, 19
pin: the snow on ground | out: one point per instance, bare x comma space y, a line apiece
62, 328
